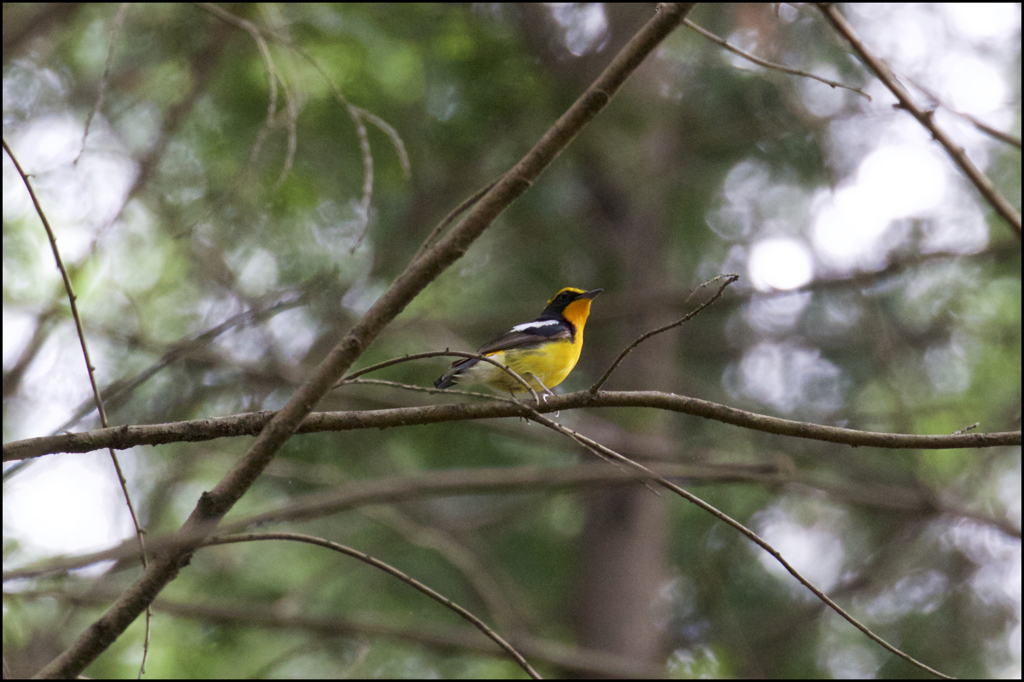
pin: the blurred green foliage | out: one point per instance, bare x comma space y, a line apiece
172, 226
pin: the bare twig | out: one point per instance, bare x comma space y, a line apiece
91, 372
273, 80
391, 570
451, 217
396, 139
769, 65
120, 390
446, 353
505, 480
925, 118
729, 279
648, 475
973, 120
253, 423
588, 662
355, 114
115, 30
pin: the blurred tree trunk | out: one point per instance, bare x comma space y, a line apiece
622, 552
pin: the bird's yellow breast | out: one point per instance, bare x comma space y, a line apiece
550, 363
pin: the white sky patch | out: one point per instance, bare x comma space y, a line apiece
585, 24
79, 200
972, 85
845, 228
69, 504
807, 533
293, 331
787, 377
983, 20
257, 271
893, 182
782, 264
904, 179
776, 313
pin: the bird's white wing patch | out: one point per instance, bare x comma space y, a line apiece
534, 325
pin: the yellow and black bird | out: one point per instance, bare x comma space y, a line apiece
543, 352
